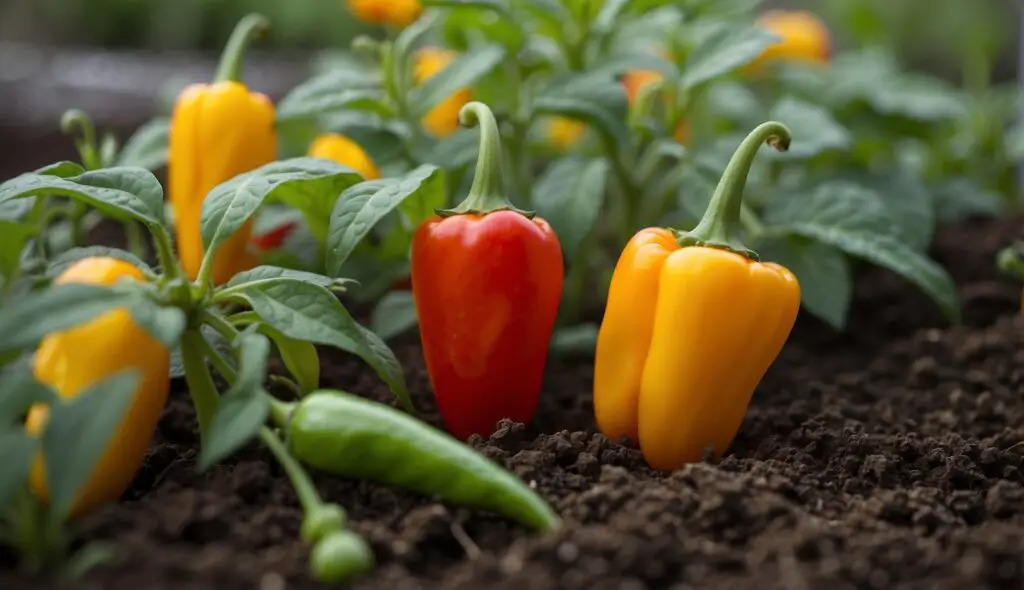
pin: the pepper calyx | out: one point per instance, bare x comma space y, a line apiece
322, 521
719, 228
486, 195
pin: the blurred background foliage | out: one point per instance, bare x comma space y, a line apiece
957, 39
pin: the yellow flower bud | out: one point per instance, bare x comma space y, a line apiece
337, 147
396, 13
443, 119
804, 38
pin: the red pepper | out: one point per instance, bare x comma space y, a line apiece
273, 239
486, 280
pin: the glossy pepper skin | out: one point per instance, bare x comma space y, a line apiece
803, 38
75, 359
486, 281
692, 323
443, 119
218, 131
348, 436
341, 149
395, 13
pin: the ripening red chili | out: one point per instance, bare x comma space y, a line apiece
486, 280
274, 238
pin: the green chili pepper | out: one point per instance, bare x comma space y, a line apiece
348, 436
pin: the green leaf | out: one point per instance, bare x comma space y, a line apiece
62, 261
20, 391
394, 315
27, 320
165, 324
578, 340
907, 200
214, 338
725, 49
570, 195
814, 130
455, 151
301, 358
596, 99
462, 72
17, 451
13, 237
332, 92
855, 220
362, 206
244, 407
62, 169
312, 313
314, 198
120, 193
148, 146
79, 432
617, 65
958, 199
305, 182
262, 276
608, 16
826, 281
499, 6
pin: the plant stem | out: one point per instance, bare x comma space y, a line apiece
169, 266
247, 29
280, 411
227, 372
309, 498
200, 383
134, 238
86, 144
719, 226
224, 327
486, 195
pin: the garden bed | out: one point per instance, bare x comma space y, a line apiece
887, 457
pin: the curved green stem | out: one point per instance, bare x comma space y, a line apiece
219, 362
247, 29
86, 143
719, 228
280, 411
309, 498
224, 327
200, 383
169, 266
486, 194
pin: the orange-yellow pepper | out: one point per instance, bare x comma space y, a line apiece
395, 13
78, 358
563, 132
341, 149
693, 321
443, 119
635, 81
218, 131
803, 38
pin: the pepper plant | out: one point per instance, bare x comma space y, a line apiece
613, 116
157, 309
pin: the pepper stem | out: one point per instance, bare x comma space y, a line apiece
719, 228
247, 29
486, 195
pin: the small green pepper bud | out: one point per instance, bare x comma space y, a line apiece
321, 522
339, 556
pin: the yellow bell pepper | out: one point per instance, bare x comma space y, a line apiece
693, 321
803, 38
395, 13
443, 119
337, 147
217, 132
563, 132
76, 359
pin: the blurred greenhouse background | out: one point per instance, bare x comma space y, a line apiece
123, 60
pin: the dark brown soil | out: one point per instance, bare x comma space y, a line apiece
891, 456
